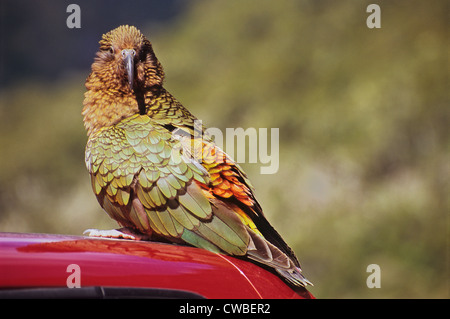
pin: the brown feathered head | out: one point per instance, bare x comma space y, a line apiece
126, 61
124, 71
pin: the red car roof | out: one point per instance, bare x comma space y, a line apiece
41, 260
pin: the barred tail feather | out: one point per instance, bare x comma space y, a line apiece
294, 276
262, 251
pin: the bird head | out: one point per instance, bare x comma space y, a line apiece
125, 70
126, 62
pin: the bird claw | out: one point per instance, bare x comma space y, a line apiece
123, 233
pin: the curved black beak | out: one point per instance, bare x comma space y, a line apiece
128, 58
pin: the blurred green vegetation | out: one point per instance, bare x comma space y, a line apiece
364, 140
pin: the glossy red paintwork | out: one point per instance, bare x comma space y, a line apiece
40, 260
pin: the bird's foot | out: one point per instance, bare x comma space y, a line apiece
124, 233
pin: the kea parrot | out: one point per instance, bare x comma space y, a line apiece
157, 174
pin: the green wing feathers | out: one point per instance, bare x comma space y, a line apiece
143, 179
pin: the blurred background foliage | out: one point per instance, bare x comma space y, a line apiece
363, 117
